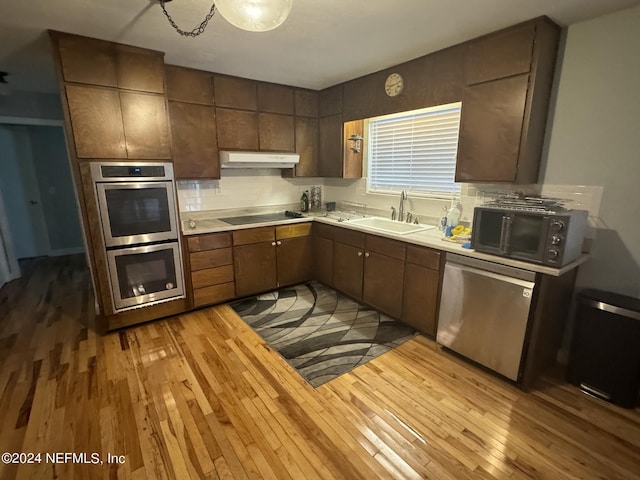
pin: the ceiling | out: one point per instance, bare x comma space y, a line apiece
322, 43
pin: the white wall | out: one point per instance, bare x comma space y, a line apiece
595, 140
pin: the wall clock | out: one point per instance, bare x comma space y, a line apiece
394, 85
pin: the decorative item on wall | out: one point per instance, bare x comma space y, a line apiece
4, 85
250, 15
356, 146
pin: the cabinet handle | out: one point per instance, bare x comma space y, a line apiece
359, 254
279, 242
366, 254
273, 244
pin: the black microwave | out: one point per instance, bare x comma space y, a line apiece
547, 238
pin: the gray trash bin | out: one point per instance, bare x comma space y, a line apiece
605, 350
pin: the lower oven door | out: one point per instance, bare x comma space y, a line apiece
145, 275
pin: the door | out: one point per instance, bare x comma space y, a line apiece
27, 227
9, 269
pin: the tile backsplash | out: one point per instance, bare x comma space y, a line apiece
244, 188
241, 188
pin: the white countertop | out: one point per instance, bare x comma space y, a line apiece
428, 238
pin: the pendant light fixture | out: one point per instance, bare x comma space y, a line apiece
250, 15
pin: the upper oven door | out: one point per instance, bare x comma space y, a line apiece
137, 212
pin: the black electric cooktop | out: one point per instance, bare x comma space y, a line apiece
264, 217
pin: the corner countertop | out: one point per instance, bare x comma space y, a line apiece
432, 238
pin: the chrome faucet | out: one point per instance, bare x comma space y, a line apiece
403, 197
409, 217
393, 213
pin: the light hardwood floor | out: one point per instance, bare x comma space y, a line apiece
202, 396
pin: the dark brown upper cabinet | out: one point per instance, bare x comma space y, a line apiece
276, 132
235, 92
306, 103
274, 98
98, 62
330, 101
140, 69
499, 55
237, 129
189, 85
146, 128
194, 146
504, 118
86, 60
330, 146
96, 122
306, 146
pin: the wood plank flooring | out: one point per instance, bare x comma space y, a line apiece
202, 396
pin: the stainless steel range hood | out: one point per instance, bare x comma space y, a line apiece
229, 159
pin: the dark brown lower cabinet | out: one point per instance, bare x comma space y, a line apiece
255, 268
266, 258
323, 260
294, 259
383, 283
348, 268
210, 261
421, 289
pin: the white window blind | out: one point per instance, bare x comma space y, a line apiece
415, 151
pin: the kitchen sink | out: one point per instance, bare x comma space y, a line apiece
390, 226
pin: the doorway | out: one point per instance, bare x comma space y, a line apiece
41, 211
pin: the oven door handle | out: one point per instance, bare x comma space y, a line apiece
505, 234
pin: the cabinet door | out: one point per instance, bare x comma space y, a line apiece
194, 143
347, 269
330, 146
294, 257
140, 69
383, 283
276, 132
237, 129
491, 130
306, 103
275, 98
235, 92
255, 268
307, 147
145, 125
323, 260
501, 54
96, 120
420, 300
188, 85
86, 60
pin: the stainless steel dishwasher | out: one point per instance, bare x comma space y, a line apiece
484, 311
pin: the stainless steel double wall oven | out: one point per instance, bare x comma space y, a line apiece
138, 215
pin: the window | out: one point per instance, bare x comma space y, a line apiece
415, 151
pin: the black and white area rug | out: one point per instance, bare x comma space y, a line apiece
320, 332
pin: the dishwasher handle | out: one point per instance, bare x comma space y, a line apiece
490, 274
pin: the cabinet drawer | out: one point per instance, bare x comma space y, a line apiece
254, 235
291, 231
424, 257
209, 242
324, 231
386, 246
212, 276
211, 258
213, 294
349, 237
